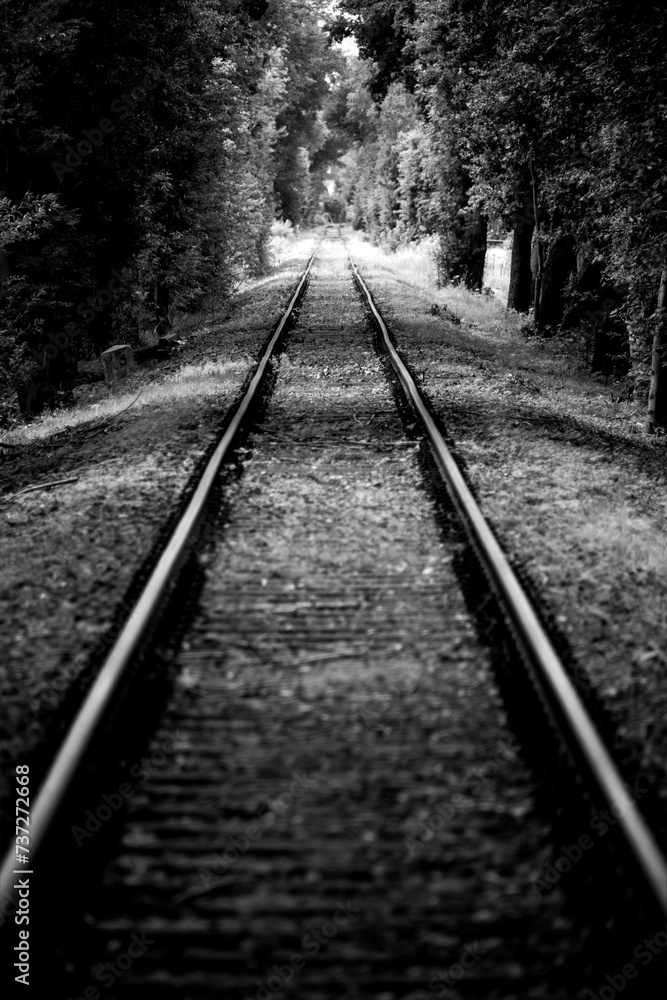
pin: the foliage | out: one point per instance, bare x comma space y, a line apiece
158, 140
546, 113
144, 148
309, 65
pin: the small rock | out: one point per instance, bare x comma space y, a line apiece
17, 520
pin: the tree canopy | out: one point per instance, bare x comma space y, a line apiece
147, 149
546, 118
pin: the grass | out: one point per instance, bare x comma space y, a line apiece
191, 382
70, 554
631, 540
415, 266
555, 366
573, 487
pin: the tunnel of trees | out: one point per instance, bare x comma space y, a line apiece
147, 149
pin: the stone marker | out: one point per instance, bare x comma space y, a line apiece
117, 361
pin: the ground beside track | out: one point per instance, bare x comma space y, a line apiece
576, 492
70, 554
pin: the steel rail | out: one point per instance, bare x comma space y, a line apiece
544, 662
71, 755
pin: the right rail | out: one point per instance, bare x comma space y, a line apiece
548, 674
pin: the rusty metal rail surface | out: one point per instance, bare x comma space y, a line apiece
548, 673
138, 626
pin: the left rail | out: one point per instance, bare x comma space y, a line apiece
138, 628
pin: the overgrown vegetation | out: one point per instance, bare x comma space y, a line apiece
549, 119
147, 149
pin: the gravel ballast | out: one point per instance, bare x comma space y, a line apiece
345, 675
341, 738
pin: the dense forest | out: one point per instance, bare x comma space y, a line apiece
548, 119
148, 148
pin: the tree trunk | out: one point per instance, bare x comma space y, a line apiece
600, 347
536, 284
162, 309
518, 296
557, 265
657, 397
4, 269
474, 276
462, 251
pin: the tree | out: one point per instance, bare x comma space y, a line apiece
310, 65
141, 147
657, 399
549, 117
381, 30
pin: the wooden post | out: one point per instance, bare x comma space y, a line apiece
518, 294
538, 246
117, 361
657, 397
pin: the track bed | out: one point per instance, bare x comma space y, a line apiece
341, 738
340, 796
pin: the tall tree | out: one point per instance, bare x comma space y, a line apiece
550, 117
141, 146
657, 399
310, 65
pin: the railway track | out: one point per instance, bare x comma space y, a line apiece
304, 769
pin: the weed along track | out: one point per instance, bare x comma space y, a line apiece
330, 775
